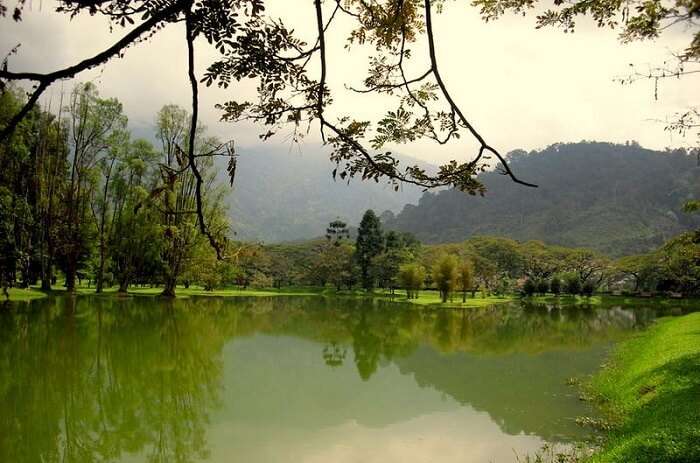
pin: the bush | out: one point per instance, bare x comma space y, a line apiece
555, 286
445, 275
573, 286
542, 287
588, 289
411, 277
529, 287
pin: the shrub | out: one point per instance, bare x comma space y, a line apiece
542, 287
555, 286
573, 285
445, 275
411, 278
529, 287
588, 288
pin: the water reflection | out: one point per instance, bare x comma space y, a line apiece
140, 379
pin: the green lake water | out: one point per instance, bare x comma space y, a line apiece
294, 379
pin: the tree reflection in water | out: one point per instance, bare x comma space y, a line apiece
99, 378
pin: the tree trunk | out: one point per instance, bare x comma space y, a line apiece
99, 278
47, 271
169, 290
70, 276
123, 285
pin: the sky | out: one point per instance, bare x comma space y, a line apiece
520, 86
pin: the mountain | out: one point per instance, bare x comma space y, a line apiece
618, 199
285, 195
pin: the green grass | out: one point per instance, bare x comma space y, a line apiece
650, 392
607, 299
17, 294
432, 298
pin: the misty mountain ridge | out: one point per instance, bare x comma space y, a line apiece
618, 199
282, 194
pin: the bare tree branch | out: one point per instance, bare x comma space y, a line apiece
45, 80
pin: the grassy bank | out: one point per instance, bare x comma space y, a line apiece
651, 393
432, 298
17, 294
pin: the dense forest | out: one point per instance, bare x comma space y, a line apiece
616, 199
82, 200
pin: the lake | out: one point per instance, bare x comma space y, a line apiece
296, 379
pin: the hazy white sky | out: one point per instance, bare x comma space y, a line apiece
521, 87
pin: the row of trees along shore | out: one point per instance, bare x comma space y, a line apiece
488, 265
81, 198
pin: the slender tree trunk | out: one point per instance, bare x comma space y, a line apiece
99, 279
71, 271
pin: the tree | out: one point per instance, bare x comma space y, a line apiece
398, 248
369, 244
555, 286
542, 287
254, 46
573, 285
588, 265
445, 275
102, 206
92, 121
181, 193
465, 277
337, 231
335, 264
643, 269
411, 277
529, 287
679, 260
136, 240
540, 261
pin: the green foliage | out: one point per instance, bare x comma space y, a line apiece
445, 275
614, 199
465, 278
573, 285
555, 286
411, 278
369, 244
529, 287
542, 287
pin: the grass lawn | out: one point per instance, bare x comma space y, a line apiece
429, 297
17, 294
651, 394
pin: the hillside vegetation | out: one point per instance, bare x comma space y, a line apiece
617, 199
287, 195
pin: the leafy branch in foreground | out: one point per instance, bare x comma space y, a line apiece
292, 78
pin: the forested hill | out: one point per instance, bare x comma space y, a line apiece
284, 195
618, 199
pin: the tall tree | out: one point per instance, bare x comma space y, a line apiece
294, 76
369, 244
92, 121
445, 275
465, 276
136, 239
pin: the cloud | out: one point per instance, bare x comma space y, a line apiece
521, 87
